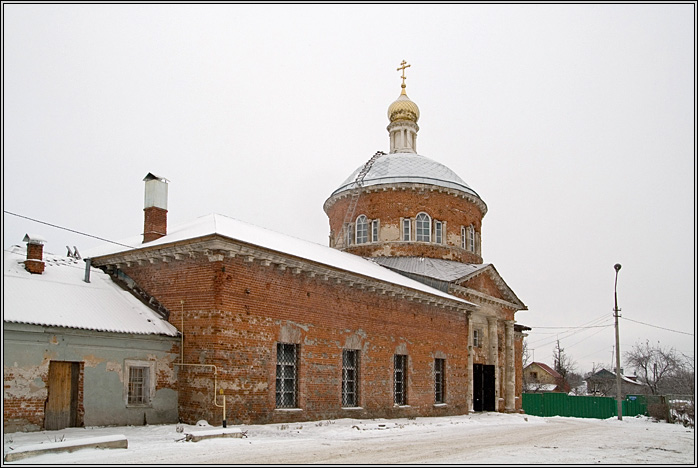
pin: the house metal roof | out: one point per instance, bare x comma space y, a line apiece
254, 235
60, 297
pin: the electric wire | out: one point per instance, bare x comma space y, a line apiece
67, 229
655, 326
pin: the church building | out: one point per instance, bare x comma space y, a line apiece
398, 317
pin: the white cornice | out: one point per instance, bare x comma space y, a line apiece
216, 248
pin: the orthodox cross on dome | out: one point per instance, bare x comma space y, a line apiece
404, 65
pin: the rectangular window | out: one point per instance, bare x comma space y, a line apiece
286, 375
476, 338
462, 237
406, 225
471, 238
439, 380
400, 379
438, 232
138, 387
350, 378
374, 230
348, 234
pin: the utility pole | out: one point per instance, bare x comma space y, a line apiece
618, 380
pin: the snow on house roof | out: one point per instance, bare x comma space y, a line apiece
234, 229
547, 369
60, 297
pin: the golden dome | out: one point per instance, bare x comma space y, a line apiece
403, 109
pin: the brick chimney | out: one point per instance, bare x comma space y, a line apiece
35, 253
155, 210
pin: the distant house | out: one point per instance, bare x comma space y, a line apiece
603, 383
539, 377
78, 350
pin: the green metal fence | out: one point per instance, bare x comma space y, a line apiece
561, 404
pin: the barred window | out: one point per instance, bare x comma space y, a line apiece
406, 228
138, 386
361, 229
286, 375
439, 380
423, 227
400, 380
350, 378
438, 232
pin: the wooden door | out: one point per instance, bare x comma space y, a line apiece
62, 402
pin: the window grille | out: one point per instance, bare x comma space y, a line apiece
476, 338
138, 385
286, 375
439, 380
350, 378
361, 230
438, 232
423, 227
400, 379
462, 237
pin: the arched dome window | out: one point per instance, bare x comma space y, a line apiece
423, 226
361, 229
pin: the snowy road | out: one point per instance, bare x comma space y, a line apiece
478, 438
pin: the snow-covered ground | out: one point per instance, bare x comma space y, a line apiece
482, 438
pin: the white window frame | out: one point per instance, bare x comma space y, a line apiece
361, 229
375, 230
438, 232
148, 391
476, 338
471, 238
422, 232
406, 229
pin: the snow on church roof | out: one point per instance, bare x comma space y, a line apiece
261, 237
60, 297
407, 168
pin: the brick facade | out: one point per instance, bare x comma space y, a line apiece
235, 311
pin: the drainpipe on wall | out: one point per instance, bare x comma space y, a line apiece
215, 370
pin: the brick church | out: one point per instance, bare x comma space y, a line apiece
398, 317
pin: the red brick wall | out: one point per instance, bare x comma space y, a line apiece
392, 205
236, 311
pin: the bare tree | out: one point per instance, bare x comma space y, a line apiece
658, 367
563, 365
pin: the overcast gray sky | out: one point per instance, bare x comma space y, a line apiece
574, 123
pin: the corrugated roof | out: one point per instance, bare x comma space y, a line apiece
60, 297
444, 270
265, 238
407, 168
